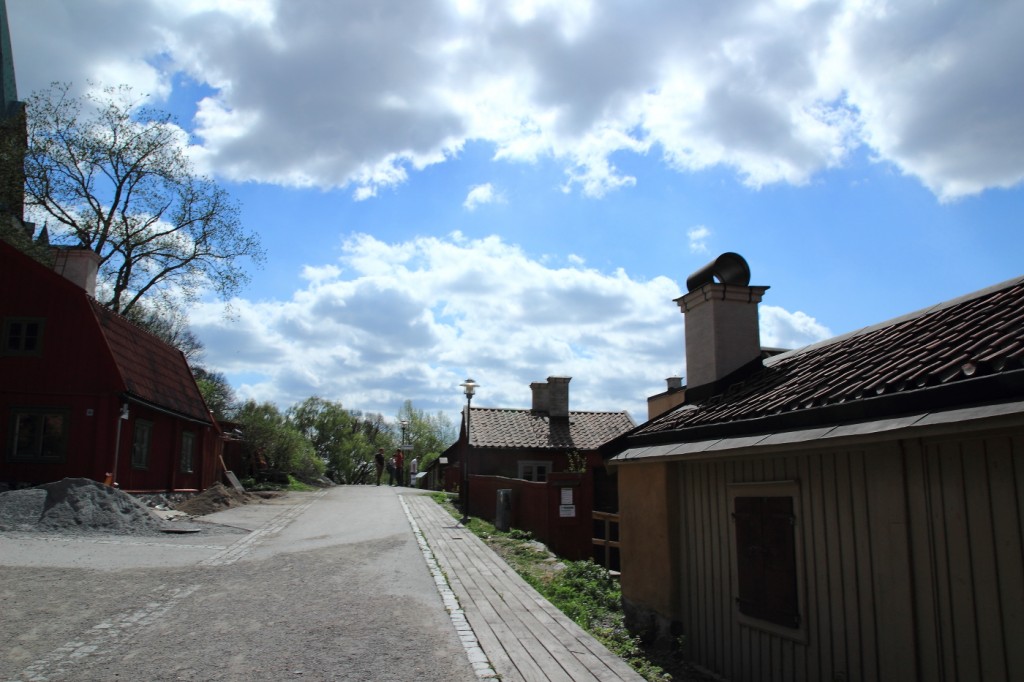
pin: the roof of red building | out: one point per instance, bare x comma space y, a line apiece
511, 428
152, 371
937, 357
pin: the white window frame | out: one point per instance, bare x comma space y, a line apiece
531, 465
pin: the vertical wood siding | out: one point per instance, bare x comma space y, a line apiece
912, 556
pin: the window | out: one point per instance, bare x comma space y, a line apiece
188, 447
140, 443
534, 471
22, 336
39, 434
767, 577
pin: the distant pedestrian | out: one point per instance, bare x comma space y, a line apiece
414, 468
399, 465
378, 462
391, 470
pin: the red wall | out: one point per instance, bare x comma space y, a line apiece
536, 508
76, 372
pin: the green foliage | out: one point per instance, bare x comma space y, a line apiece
343, 440
577, 462
217, 392
298, 486
268, 437
429, 434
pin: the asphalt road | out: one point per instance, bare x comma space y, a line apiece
312, 586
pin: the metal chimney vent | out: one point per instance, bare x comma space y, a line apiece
729, 268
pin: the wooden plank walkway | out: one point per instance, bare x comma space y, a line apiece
524, 637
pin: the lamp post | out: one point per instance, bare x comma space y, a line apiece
405, 452
470, 388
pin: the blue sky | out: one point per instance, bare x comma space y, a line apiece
509, 191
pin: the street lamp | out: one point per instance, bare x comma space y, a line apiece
470, 388
405, 451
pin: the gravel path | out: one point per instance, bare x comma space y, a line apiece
333, 588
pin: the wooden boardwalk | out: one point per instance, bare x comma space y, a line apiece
524, 637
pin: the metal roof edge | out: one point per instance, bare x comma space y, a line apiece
919, 425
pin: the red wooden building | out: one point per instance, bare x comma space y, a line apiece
85, 393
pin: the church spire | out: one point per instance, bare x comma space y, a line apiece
7, 82
13, 132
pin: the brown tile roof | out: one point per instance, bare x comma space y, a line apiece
508, 428
151, 370
979, 335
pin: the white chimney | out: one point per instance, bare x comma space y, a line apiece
721, 320
78, 264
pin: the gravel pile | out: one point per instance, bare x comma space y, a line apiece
77, 505
215, 498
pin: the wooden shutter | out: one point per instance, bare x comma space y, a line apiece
766, 559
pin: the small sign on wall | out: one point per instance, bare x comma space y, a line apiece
566, 496
567, 511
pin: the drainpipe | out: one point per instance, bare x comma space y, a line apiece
117, 443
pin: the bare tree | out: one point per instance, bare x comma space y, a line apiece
105, 173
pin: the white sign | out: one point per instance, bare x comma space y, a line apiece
567, 496
567, 510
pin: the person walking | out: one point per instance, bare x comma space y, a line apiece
391, 471
399, 465
378, 462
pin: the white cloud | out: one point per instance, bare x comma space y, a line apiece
783, 329
482, 194
351, 94
410, 320
698, 236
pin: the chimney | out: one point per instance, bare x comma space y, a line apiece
78, 264
721, 319
540, 396
558, 397
674, 396
551, 397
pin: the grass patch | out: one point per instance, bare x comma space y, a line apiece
296, 485
582, 590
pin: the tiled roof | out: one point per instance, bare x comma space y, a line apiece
151, 370
969, 338
507, 428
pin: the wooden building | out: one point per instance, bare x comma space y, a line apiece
85, 393
539, 454
853, 510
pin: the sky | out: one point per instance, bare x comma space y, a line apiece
515, 190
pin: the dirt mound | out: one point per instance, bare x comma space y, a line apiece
77, 505
215, 498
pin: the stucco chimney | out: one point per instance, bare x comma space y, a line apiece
79, 265
721, 319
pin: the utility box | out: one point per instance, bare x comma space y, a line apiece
503, 513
